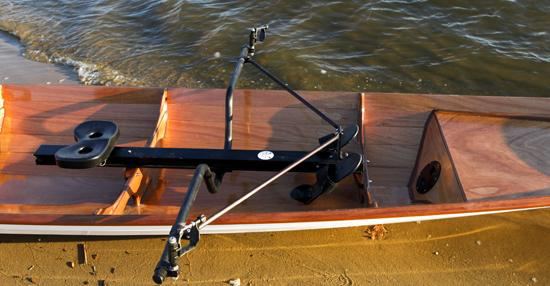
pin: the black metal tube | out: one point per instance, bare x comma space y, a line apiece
201, 172
168, 260
295, 94
218, 160
229, 97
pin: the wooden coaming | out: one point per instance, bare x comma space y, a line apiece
392, 126
492, 157
448, 188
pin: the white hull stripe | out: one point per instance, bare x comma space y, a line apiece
145, 230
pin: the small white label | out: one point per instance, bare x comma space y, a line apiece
266, 155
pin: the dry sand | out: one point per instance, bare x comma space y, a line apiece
508, 249
505, 249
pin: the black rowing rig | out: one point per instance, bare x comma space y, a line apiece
96, 147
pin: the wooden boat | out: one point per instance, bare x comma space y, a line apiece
417, 157
492, 155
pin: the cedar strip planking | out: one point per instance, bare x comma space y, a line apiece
285, 128
23, 164
54, 209
273, 98
412, 110
82, 110
28, 143
390, 196
391, 156
273, 198
304, 213
192, 133
58, 190
389, 177
392, 114
514, 163
65, 126
264, 114
407, 136
166, 215
80, 93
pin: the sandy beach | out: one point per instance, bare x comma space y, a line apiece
504, 249
510, 249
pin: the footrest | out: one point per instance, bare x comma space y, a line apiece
327, 178
94, 142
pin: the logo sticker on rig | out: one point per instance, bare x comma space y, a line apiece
266, 155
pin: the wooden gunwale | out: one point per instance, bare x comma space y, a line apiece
287, 217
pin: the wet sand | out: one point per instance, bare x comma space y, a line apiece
505, 249
14, 68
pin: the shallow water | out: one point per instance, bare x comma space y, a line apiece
463, 47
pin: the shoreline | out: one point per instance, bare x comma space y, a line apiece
18, 69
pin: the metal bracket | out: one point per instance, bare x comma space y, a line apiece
168, 265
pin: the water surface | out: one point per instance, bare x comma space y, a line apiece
463, 47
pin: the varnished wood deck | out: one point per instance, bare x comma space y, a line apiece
392, 126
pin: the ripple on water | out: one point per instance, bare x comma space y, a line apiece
485, 47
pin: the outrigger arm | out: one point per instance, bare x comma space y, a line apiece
95, 147
168, 263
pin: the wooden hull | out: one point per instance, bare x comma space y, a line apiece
110, 201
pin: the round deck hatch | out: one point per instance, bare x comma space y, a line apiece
428, 177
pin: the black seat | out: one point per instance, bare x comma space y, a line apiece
95, 141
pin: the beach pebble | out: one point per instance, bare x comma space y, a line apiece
235, 282
511, 260
70, 264
429, 236
534, 279
217, 55
478, 242
323, 71
436, 253
112, 270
